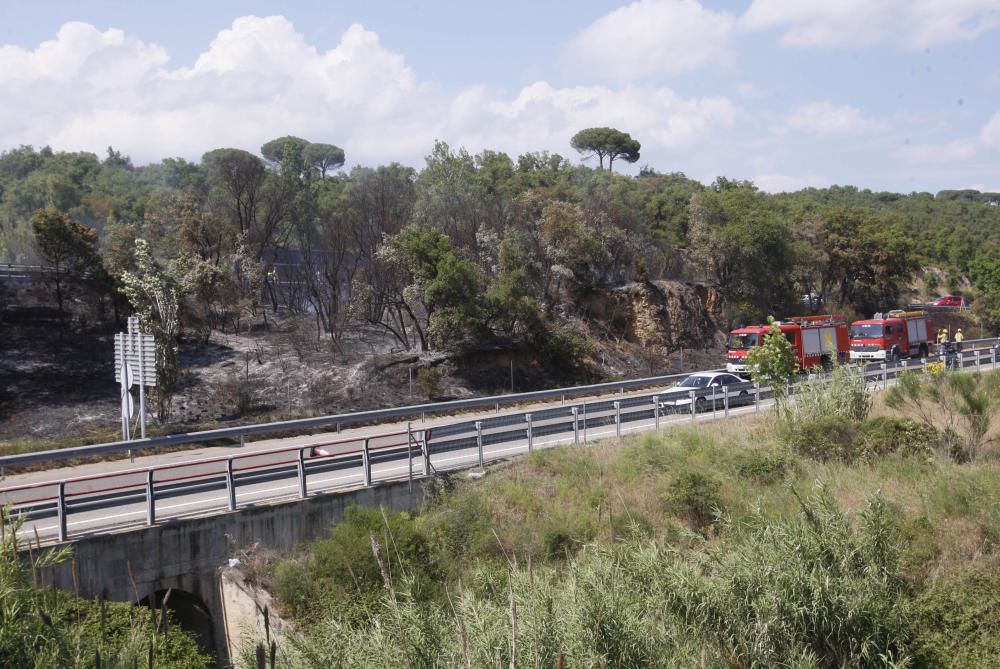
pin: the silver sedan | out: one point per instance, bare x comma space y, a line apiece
710, 389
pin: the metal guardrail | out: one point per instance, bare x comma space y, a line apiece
469, 442
340, 420
14, 268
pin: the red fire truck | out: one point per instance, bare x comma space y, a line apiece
891, 336
815, 340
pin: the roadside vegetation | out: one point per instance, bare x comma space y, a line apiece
838, 533
44, 628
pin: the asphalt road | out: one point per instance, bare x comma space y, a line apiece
110, 496
199, 488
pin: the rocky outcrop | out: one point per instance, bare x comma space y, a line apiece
661, 315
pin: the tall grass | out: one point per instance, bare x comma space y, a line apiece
809, 591
46, 628
682, 548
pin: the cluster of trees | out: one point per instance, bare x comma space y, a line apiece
470, 247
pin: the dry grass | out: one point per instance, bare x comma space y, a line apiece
549, 504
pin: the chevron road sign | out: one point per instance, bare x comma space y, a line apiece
135, 364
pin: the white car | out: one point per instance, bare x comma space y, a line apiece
703, 383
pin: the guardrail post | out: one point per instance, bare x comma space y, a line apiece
479, 441
61, 510
656, 411
585, 422
725, 401
303, 489
366, 461
978, 362
531, 440
498, 406
426, 451
230, 484
242, 443
576, 424
885, 376
562, 399
756, 397
409, 453
691, 394
150, 499
618, 418
903, 363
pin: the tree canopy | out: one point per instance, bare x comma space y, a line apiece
606, 142
476, 247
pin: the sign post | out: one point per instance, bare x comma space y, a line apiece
135, 362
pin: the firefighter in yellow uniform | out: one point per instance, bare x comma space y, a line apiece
942, 340
959, 338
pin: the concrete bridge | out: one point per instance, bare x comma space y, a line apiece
185, 556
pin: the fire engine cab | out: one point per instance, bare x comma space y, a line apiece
815, 340
891, 336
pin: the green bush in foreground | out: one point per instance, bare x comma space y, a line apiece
838, 438
51, 629
961, 403
959, 623
808, 591
695, 496
343, 569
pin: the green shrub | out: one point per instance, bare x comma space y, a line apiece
824, 438
695, 496
842, 394
883, 435
45, 628
920, 547
764, 465
563, 535
459, 525
957, 623
558, 542
565, 346
295, 588
837, 438
959, 406
343, 567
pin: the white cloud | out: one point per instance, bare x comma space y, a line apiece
783, 183
651, 37
990, 134
826, 118
913, 24
933, 153
260, 79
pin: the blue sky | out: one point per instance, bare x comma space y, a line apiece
890, 94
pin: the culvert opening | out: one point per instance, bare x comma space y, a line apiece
190, 612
